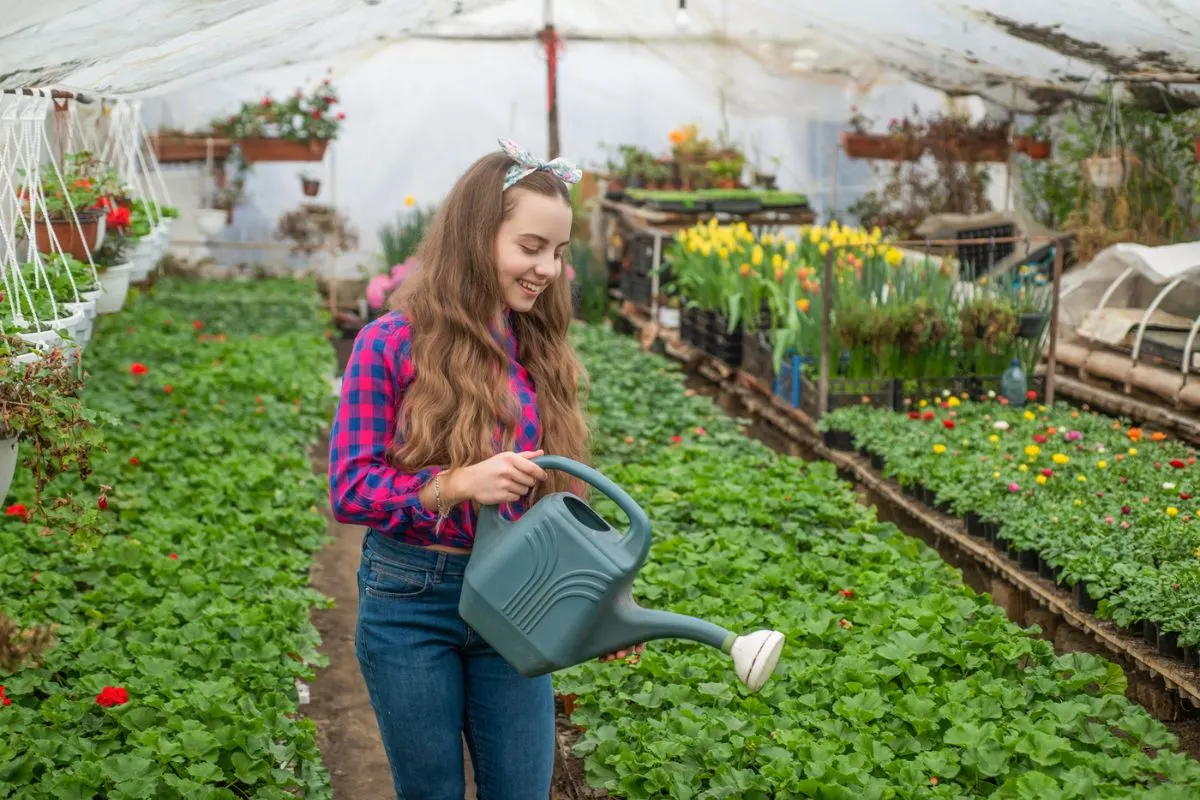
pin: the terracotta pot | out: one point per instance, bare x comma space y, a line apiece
70, 238
1020, 142
311, 188
881, 146
1038, 150
971, 151
283, 149
726, 183
176, 149
1196, 145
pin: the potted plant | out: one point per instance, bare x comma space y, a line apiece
768, 181
902, 142
955, 137
54, 201
114, 270
311, 185
298, 128
173, 146
315, 227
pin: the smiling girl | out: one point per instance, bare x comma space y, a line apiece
444, 402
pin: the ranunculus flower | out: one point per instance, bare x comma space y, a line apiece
1073, 436
133, 461
1014, 487
939, 448
112, 696
1049, 473
914, 415
168, 388
1177, 464
1126, 510
948, 424
1039, 438
1031, 395
1000, 425
847, 593
197, 324
1185, 496
928, 416
137, 368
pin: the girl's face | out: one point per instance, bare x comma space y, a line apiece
530, 247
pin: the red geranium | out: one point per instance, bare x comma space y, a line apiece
138, 368
18, 510
112, 696
118, 217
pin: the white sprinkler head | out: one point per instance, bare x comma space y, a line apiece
755, 656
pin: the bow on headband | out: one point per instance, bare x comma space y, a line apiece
527, 164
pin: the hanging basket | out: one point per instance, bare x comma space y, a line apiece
8, 464
211, 221
1038, 150
971, 151
70, 238
311, 187
1107, 172
1020, 143
183, 149
880, 146
283, 149
114, 284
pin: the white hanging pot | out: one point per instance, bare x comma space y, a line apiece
29, 358
42, 340
114, 285
101, 229
82, 334
210, 222
8, 464
668, 317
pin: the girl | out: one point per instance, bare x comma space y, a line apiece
444, 402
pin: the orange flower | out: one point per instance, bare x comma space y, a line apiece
1134, 434
677, 136
1051, 430
802, 304
745, 270
1158, 436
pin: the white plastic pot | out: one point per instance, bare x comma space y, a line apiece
210, 222
82, 334
143, 257
668, 317
8, 464
114, 285
42, 340
29, 358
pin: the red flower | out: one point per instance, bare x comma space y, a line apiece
4, 701
112, 696
914, 415
1031, 395
701, 432
1049, 473
316, 114
167, 388
1177, 464
1039, 438
927, 416
174, 556
934, 781
1126, 510
948, 424
138, 368
197, 324
847, 593
676, 439
134, 461
341, 115
266, 104
102, 502
18, 510
845, 623
118, 217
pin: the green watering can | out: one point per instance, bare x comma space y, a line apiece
554, 589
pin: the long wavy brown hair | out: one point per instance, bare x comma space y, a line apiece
460, 391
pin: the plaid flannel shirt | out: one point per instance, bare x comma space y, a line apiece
364, 489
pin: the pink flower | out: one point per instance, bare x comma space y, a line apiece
1014, 487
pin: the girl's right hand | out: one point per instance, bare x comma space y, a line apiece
503, 478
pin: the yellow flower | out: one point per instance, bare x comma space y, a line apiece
814, 234
1133, 451
1032, 451
723, 252
1041, 480
777, 261
993, 438
1078, 502
876, 234
939, 448
1041, 408
823, 247
953, 402
410, 201
893, 256
1102, 464
923, 403
802, 305
995, 474
1082, 479
1029, 415
790, 248
756, 255
768, 239
983, 281
1172, 511
1022, 468
744, 270
1061, 459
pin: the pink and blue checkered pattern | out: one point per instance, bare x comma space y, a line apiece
363, 488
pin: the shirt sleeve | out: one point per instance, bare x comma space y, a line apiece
364, 489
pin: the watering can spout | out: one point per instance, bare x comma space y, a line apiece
754, 655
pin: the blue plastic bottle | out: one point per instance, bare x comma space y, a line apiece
1013, 385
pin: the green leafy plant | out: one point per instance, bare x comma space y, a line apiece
300, 116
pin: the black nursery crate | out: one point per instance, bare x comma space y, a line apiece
977, 259
642, 254
845, 392
636, 288
691, 326
719, 342
757, 358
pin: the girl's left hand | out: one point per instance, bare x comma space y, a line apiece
621, 654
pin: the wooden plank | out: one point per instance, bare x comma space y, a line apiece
798, 426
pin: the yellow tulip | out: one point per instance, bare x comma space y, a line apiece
823, 247
893, 256
802, 305
756, 255
790, 248
777, 261
814, 234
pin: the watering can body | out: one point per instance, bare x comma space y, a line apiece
554, 589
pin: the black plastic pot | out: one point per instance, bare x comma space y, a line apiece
1010, 549
1150, 633
1136, 628
1028, 560
1046, 569
1191, 656
975, 525
877, 462
1031, 325
1168, 644
990, 529
1084, 601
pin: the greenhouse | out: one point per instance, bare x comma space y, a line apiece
553, 399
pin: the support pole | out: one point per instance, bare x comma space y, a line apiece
1052, 346
826, 312
552, 44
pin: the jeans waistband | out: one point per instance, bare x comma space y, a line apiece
420, 558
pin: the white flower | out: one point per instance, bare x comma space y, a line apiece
1000, 425
991, 394
1099, 448
1168, 486
945, 392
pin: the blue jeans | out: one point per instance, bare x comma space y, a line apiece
432, 679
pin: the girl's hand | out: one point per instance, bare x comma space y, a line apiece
503, 478
621, 654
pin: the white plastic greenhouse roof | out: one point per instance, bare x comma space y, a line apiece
1020, 55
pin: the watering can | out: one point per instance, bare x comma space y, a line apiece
554, 589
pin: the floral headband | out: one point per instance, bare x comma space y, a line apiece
527, 164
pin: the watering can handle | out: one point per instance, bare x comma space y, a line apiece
639, 523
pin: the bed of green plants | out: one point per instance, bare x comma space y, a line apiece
183, 619
1110, 506
896, 681
768, 198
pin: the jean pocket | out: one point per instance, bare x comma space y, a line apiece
390, 581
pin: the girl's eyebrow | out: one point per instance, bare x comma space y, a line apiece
538, 237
